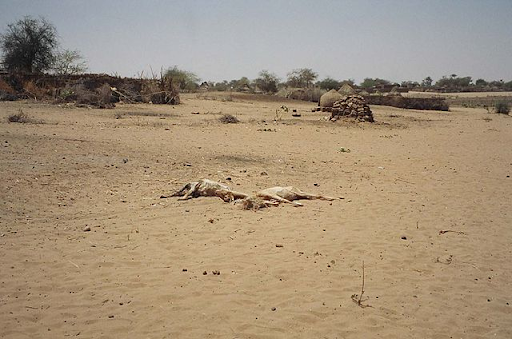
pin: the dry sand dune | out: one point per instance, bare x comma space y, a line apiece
285, 272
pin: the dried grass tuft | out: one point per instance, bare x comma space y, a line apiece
229, 119
23, 118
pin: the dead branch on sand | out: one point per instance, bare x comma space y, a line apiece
358, 299
458, 232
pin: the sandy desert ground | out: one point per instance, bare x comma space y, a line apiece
285, 272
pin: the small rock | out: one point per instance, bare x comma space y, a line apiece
273, 309
403, 237
216, 272
263, 173
279, 245
111, 316
205, 273
184, 270
87, 228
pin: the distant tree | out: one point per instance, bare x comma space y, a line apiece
220, 86
507, 86
302, 77
454, 82
409, 84
29, 45
427, 82
239, 84
481, 83
243, 82
369, 82
308, 76
185, 80
328, 84
69, 62
267, 81
350, 82
496, 84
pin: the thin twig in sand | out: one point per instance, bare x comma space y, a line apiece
458, 232
359, 299
72, 263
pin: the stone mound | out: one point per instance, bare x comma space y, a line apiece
352, 106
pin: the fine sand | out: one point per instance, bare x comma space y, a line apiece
89, 250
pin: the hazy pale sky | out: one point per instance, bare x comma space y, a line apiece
391, 39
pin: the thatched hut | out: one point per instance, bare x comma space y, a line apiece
394, 92
329, 98
346, 89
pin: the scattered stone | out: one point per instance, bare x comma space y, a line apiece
205, 273
216, 272
263, 173
184, 270
273, 309
279, 245
87, 228
403, 237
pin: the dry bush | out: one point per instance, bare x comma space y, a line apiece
101, 98
23, 118
502, 107
5, 87
229, 119
34, 91
105, 94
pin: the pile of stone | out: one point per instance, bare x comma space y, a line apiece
352, 106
